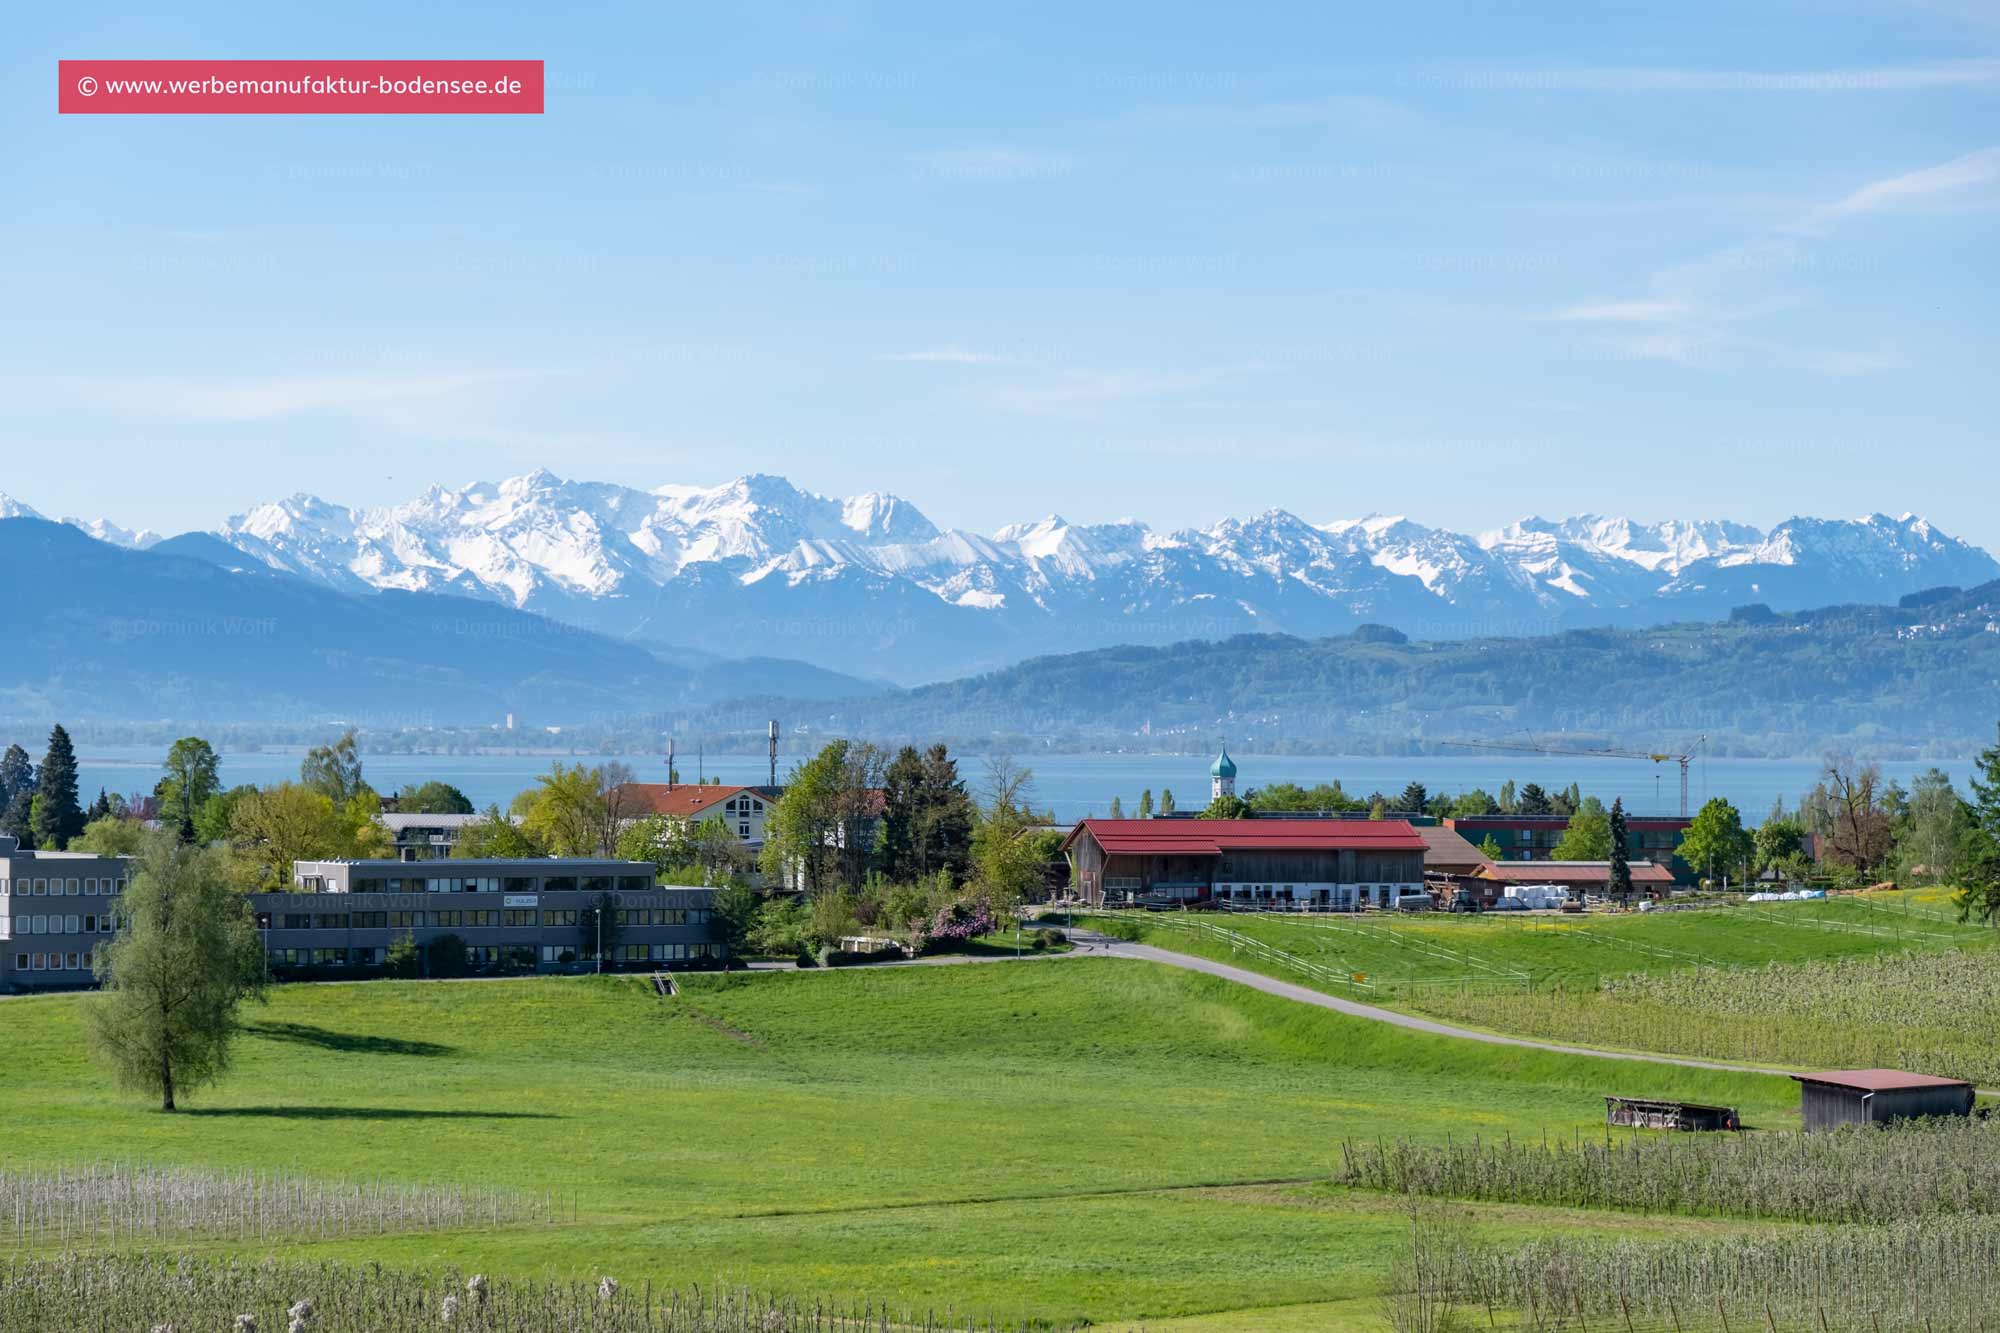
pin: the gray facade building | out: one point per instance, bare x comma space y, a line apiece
513, 915
56, 908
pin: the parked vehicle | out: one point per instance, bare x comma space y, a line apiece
1464, 900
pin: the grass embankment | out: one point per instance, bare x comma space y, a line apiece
1093, 1138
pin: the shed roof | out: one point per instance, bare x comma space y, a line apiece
1880, 1080
1212, 837
1444, 847
1573, 872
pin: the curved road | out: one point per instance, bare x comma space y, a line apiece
1104, 945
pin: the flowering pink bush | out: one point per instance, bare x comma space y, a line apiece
962, 921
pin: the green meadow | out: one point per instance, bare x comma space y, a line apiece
1405, 958
1059, 1140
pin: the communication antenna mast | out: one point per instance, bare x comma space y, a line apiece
670, 763
1530, 746
774, 752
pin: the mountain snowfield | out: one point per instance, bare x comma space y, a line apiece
869, 585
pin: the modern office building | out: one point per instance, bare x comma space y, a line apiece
509, 915
55, 909
521, 914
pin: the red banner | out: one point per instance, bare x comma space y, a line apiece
299, 87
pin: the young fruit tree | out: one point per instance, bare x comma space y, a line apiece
185, 956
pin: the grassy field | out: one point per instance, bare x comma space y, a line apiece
1083, 1138
1404, 958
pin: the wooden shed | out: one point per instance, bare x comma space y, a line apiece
1651, 1113
1877, 1096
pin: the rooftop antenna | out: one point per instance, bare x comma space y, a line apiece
774, 752
701, 763
670, 763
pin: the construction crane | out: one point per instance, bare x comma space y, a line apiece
1531, 746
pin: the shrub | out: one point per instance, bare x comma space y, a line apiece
963, 920
447, 956
403, 959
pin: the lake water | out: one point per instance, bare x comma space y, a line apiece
1078, 785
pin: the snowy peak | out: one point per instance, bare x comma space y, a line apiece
738, 568
99, 528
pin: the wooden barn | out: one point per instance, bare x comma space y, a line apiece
1650, 1113
1877, 1096
1327, 863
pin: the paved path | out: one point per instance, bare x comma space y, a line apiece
1102, 946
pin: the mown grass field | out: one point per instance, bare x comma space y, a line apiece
1064, 1139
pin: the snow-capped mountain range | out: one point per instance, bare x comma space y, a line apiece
870, 586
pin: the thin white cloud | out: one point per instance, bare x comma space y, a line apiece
1927, 185
1351, 111
1623, 312
1643, 79
994, 164
1080, 390
1700, 313
948, 356
364, 394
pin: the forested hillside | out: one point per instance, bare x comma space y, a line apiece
1924, 673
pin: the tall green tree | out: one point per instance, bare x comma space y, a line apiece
494, 834
1532, 801
1117, 808
1780, 844
57, 814
185, 957
432, 798
1415, 799
1621, 865
817, 836
927, 816
17, 775
192, 775
1985, 784
334, 771
1167, 800
1930, 837
1146, 804
1716, 840
1588, 838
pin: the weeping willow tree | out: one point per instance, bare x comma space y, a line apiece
185, 956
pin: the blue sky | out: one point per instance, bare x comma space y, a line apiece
1464, 262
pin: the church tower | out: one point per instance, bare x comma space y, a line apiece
1222, 776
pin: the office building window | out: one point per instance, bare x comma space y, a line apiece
559, 884
298, 921
518, 884
406, 920
635, 883
370, 920
564, 917
518, 916
447, 919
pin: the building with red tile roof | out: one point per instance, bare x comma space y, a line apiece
1324, 862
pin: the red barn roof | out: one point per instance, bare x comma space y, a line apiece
1212, 837
1879, 1080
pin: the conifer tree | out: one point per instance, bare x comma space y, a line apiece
1621, 869
57, 815
1166, 800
